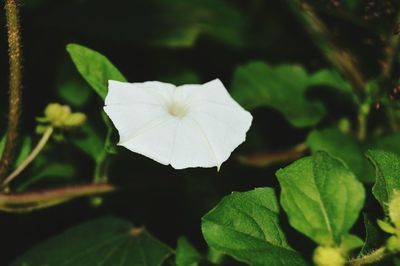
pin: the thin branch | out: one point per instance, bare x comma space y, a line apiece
30, 201
373, 257
339, 58
270, 158
390, 50
14, 53
45, 137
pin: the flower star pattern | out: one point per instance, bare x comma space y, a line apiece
185, 126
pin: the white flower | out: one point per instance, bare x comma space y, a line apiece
184, 126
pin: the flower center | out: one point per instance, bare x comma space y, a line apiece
177, 108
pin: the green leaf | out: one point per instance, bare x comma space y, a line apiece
373, 238
280, 87
105, 241
344, 147
94, 67
350, 242
387, 166
321, 197
186, 254
331, 78
386, 226
25, 149
245, 225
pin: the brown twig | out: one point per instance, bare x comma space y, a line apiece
269, 158
30, 201
14, 53
339, 58
390, 50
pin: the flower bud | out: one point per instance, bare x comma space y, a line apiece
394, 209
60, 116
75, 120
328, 256
57, 113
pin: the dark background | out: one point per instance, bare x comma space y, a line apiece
177, 41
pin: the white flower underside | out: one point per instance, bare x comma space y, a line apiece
185, 126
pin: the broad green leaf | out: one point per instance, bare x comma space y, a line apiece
186, 254
387, 166
94, 67
280, 87
350, 242
343, 146
373, 239
245, 225
331, 78
104, 241
321, 197
24, 150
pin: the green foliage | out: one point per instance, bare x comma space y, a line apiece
281, 87
344, 147
373, 238
245, 225
169, 23
105, 241
387, 167
94, 67
186, 254
321, 197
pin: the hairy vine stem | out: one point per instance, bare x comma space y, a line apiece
14, 54
373, 257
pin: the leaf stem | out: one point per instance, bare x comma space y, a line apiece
14, 112
30, 201
268, 158
373, 257
45, 137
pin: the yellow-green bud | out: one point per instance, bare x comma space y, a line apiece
328, 256
75, 120
61, 116
393, 244
57, 113
394, 209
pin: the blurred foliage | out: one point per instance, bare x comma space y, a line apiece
270, 65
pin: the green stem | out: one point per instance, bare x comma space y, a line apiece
266, 159
35, 152
30, 201
14, 112
373, 257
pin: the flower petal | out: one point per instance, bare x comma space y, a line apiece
130, 119
225, 126
191, 147
155, 141
150, 92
